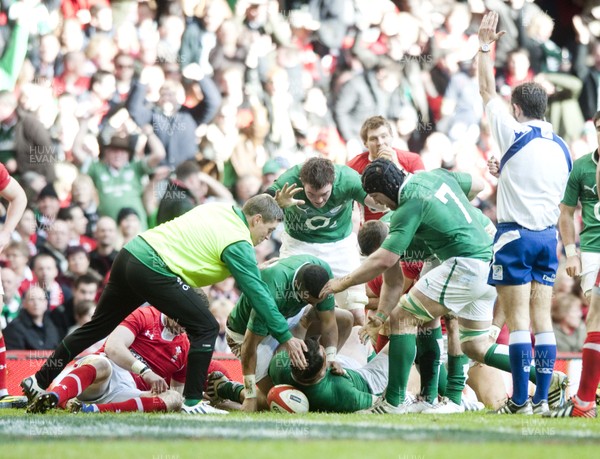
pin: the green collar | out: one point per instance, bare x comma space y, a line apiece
240, 214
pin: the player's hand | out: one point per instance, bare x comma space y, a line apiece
573, 266
493, 166
285, 196
387, 152
370, 330
333, 286
295, 348
250, 405
337, 369
487, 29
157, 384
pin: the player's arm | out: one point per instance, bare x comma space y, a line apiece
17, 202
485, 65
117, 349
373, 266
329, 334
177, 386
249, 358
566, 226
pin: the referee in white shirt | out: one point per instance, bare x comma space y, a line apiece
533, 172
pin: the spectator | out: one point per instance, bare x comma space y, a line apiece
27, 144
11, 297
85, 195
118, 178
17, 255
83, 314
57, 244
220, 309
32, 329
128, 222
85, 289
77, 223
78, 260
567, 322
102, 258
48, 206
46, 276
26, 231
175, 124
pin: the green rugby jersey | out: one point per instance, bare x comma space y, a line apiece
581, 186
332, 222
434, 213
337, 394
279, 278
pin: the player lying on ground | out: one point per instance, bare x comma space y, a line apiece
141, 367
343, 387
432, 209
293, 283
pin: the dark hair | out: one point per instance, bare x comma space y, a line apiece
66, 213
596, 117
314, 361
312, 279
74, 249
82, 308
532, 98
383, 176
98, 77
317, 172
264, 205
126, 212
187, 169
371, 236
85, 279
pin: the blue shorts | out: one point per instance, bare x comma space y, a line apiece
522, 256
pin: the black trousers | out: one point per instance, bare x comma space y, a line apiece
130, 285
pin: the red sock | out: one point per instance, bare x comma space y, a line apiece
145, 404
74, 383
382, 340
590, 371
2, 366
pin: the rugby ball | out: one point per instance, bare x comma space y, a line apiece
287, 399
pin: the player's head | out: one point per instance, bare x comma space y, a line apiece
529, 101
263, 215
310, 281
382, 180
317, 176
371, 236
375, 132
316, 364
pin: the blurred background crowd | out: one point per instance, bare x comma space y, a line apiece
108, 108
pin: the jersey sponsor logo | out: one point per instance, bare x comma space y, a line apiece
545, 371
149, 335
497, 272
549, 278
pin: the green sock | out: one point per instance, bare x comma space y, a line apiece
403, 349
191, 401
230, 390
443, 381
497, 357
429, 353
457, 376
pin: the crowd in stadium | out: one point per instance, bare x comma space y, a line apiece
116, 117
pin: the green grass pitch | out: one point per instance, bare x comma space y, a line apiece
273, 435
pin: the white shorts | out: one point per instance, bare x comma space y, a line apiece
343, 257
121, 386
590, 263
266, 348
460, 284
375, 373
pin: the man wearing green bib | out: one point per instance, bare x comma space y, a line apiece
163, 266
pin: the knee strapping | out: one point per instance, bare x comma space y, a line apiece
471, 334
412, 305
